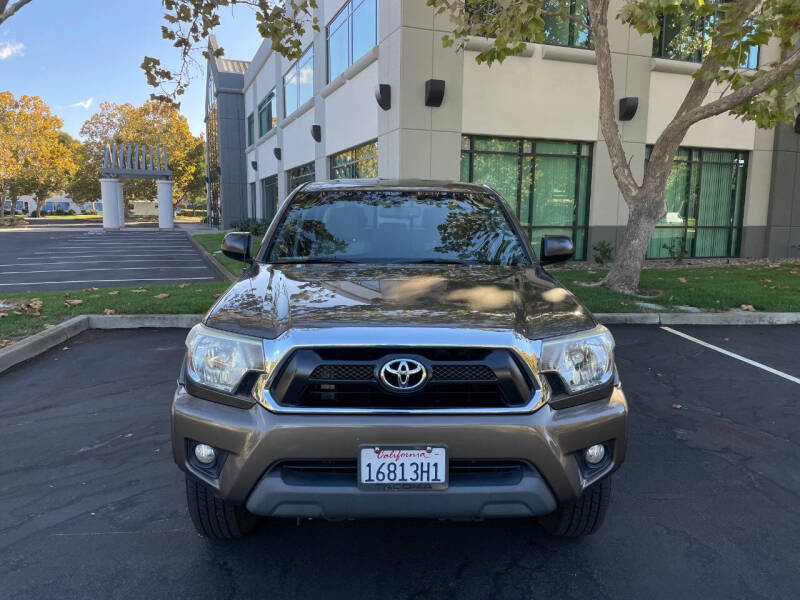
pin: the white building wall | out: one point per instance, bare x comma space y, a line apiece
548, 93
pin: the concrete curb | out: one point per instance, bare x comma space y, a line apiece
210, 260
44, 340
722, 318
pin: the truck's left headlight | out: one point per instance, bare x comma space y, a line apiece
219, 360
583, 360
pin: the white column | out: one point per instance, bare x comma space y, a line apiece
108, 195
166, 211
121, 202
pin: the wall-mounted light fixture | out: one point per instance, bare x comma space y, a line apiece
277, 153
316, 133
254, 164
627, 108
434, 92
383, 94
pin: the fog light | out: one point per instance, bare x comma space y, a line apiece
595, 454
205, 454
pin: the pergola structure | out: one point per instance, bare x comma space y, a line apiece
134, 162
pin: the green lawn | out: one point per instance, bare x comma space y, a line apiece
770, 288
20, 319
211, 243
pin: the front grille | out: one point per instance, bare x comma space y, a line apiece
433, 395
462, 373
343, 373
342, 378
364, 372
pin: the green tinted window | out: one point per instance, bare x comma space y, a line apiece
546, 183
705, 198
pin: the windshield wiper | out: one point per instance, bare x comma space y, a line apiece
312, 260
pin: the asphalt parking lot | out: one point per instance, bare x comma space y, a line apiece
707, 505
44, 259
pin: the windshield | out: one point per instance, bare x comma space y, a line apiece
396, 227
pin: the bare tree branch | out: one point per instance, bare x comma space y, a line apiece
598, 10
5, 13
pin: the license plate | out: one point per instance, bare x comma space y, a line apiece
398, 468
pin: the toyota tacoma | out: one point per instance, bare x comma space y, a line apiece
397, 349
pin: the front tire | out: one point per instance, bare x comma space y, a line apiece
215, 518
580, 517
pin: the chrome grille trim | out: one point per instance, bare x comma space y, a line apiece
277, 350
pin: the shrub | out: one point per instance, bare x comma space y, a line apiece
254, 226
602, 252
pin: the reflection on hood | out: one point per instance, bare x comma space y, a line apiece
271, 301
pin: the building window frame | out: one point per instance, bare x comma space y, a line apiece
251, 192
267, 116
251, 129
354, 161
269, 197
527, 159
300, 174
692, 226
348, 11
700, 28
293, 76
577, 36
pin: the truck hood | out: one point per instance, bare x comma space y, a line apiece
268, 301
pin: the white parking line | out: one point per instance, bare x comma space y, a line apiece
94, 262
734, 355
45, 255
139, 279
97, 269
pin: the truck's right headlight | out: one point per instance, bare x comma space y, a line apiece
583, 360
218, 359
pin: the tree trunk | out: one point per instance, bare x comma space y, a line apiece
643, 215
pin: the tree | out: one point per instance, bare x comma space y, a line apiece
766, 96
155, 123
36, 158
7, 10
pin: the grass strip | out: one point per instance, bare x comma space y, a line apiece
23, 314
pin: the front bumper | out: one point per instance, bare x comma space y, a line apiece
256, 442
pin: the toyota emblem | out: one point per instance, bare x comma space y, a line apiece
403, 374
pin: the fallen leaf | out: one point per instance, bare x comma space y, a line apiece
183, 285
73, 302
4, 343
114, 293
2, 315
49, 325
109, 311
138, 291
678, 406
217, 295
748, 307
92, 289
161, 296
682, 279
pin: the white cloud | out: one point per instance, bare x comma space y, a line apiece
9, 49
84, 105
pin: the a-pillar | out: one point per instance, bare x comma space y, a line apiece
121, 204
166, 211
109, 189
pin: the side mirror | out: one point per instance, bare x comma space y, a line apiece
556, 248
236, 245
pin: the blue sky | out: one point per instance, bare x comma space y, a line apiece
77, 53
